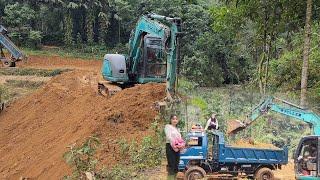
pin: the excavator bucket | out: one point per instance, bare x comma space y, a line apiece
107, 89
235, 126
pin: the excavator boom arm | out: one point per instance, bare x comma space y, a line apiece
290, 110
303, 115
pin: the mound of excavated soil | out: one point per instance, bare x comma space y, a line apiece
252, 144
36, 130
286, 172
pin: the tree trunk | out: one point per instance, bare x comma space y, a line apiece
306, 51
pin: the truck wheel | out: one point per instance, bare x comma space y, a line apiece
195, 172
264, 174
7, 63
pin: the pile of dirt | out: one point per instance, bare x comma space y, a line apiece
252, 144
36, 130
286, 172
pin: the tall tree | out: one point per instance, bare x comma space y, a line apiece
306, 51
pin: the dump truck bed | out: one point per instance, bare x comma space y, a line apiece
229, 154
9, 45
224, 153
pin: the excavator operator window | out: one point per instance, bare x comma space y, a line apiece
308, 158
154, 58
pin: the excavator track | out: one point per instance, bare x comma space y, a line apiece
106, 88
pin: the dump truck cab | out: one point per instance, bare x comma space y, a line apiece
196, 151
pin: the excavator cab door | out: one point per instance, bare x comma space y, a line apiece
154, 60
307, 157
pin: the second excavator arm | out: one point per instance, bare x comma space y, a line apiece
285, 108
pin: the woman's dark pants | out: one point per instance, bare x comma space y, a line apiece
172, 159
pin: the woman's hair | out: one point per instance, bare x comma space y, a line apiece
171, 117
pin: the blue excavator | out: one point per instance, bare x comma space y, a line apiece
16, 53
153, 56
307, 154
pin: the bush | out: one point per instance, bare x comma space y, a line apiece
34, 39
82, 158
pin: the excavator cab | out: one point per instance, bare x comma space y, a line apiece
153, 64
306, 158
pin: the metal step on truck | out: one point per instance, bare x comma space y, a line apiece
16, 53
208, 155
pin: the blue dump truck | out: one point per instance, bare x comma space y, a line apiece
209, 154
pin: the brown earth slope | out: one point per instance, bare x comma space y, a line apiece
35, 130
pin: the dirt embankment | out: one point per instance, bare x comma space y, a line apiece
35, 130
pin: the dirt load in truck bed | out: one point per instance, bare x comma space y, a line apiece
35, 130
251, 144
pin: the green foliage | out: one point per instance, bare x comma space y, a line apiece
79, 41
136, 157
118, 172
90, 33
203, 70
34, 39
68, 31
31, 72
285, 71
16, 37
227, 19
147, 153
185, 86
18, 15
24, 84
82, 158
4, 93
199, 102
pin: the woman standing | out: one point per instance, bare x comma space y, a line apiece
174, 144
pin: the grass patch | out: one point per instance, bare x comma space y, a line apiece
95, 52
4, 93
24, 84
199, 102
14, 88
30, 72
